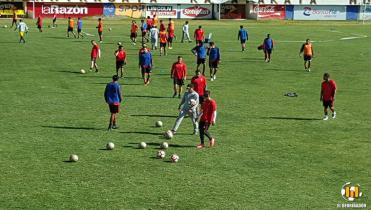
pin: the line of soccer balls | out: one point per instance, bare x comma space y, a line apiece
161, 154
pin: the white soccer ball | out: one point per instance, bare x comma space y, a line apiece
82, 71
74, 158
169, 134
164, 145
174, 158
5, 26
158, 124
193, 102
142, 145
110, 29
110, 146
161, 154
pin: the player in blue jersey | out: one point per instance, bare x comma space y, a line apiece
200, 52
268, 48
145, 64
243, 36
143, 29
214, 60
79, 28
113, 97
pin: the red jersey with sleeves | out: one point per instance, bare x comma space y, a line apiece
94, 51
199, 33
100, 26
121, 55
328, 90
179, 70
199, 83
208, 111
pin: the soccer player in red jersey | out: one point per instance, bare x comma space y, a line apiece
162, 26
328, 91
199, 85
171, 33
199, 34
39, 23
100, 29
179, 75
149, 22
113, 97
120, 59
14, 20
163, 40
207, 118
133, 32
95, 53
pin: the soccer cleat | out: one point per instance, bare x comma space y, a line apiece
174, 95
212, 142
200, 146
333, 115
325, 117
308, 70
179, 96
214, 77
195, 132
173, 131
211, 79
115, 127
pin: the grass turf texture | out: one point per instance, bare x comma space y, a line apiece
273, 152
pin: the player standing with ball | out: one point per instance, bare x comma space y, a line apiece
207, 118
113, 97
188, 106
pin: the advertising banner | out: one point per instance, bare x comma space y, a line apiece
196, 11
320, 13
233, 11
270, 11
162, 11
130, 10
7, 8
310, 2
66, 10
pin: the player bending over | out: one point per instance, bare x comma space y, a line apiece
113, 97
307, 50
207, 118
328, 91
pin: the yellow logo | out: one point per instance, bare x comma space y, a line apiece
351, 192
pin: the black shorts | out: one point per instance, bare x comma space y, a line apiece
162, 44
79, 30
144, 33
146, 70
70, 29
328, 104
119, 64
200, 60
114, 108
213, 64
243, 41
307, 58
268, 51
170, 39
133, 35
100, 33
201, 99
179, 82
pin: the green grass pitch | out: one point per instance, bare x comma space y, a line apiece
273, 152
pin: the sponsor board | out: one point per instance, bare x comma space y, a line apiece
7, 8
310, 2
66, 10
233, 11
162, 11
320, 13
270, 11
196, 11
130, 10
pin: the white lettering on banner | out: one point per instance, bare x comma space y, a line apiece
320, 13
265, 9
196, 11
159, 8
68, 10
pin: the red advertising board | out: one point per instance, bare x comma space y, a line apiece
62, 10
233, 11
270, 11
196, 11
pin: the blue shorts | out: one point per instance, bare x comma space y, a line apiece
243, 41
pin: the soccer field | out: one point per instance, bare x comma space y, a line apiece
272, 151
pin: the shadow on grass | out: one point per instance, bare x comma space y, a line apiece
290, 118
104, 83
153, 115
71, 128
157, 145
68, 161
72, 72
139, 96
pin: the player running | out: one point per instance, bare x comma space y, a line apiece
199, 34
268, 46
54, 24
200, 52
185, 34
14, 20
199, 85
163, 41
214, 60
95, 53
154, 37
328, 91
188, 106
179, 75
100, 29
171, 33
243, 36
71, 25
79, 28
22, 28
307, 50
145, 64
207, 118
120, 55
143, 28
113, 97
134, 32
39, 23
